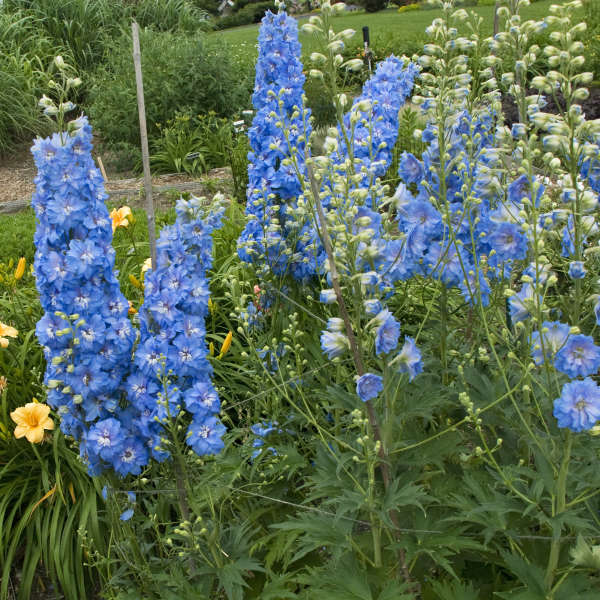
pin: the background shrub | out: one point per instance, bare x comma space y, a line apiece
181, 73
374, 5
83, 27
171, 15
250, 13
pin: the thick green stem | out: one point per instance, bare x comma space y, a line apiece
560, 503
444, 332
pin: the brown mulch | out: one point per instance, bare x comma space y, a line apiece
16, 177
17, 172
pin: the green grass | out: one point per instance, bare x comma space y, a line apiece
404, 25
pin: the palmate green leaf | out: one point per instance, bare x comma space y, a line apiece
401, 494
348, 579
578, 586
314, 531
396, 590
343, 580
454, 590
529, 574
584, 555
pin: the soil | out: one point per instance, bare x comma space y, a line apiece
18, 170
16, 177
590, 107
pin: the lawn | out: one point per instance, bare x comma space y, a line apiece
406, 25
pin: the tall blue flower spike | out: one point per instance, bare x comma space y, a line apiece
85, 332
113, 406
280, 128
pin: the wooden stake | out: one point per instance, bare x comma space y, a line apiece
137, 62
102, 170
496, 7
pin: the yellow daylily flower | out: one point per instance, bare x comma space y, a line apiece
226, 345
20, 270
120, 217
6, 331
32, 419
135, 282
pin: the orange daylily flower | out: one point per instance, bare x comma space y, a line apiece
120, 217
32, 419
6, 331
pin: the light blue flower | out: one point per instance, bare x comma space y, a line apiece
334, 344
577, 269
409, 359
554, 336
579, 356
578, 407
369, 386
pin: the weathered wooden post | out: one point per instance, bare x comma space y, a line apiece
137, 62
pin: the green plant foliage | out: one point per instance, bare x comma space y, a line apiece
201, 77
250, 13
170, 15
47, 503
23, 76
47, 500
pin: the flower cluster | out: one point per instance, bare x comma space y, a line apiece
371, 129
172, 372
451, 228
115, 407
280, 128
85, 332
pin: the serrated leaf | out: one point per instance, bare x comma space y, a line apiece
583, 555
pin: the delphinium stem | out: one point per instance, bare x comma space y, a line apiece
559, 506
358, 363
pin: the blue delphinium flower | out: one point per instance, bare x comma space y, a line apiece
577, 269
172, 370
578, 357
205, 436
508, 242
521, 304
334, 343
369, 386
409, 359
578, 407
374, 136
85, 331
261, 431
429, 249
387, 332
104, 439
373, 306
271, 181
126, 514
554, 336
328, 296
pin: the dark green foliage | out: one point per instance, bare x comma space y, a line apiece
372, 6
319, 100
181, 74
592, 40
250, 13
